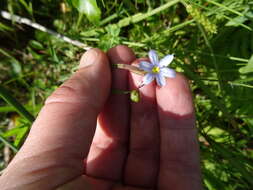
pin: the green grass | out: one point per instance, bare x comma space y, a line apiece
211, 39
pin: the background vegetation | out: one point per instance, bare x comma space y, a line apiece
211, 39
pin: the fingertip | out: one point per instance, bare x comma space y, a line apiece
180, 83
92, 80
121, 53
175, 97
92, 56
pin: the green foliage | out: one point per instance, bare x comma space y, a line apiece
212, 41
12, 101
248, 68
110, 38
87, 7
5, 28
19, 132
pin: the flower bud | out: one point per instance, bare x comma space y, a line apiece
135, 96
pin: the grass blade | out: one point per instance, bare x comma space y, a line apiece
7, 143
13, 102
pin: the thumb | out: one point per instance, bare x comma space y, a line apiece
63, 131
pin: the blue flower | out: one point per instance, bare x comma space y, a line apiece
156, 69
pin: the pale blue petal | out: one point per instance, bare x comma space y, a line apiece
148, 78
153, 57
167, 72
166, 60
160, 79
146, 66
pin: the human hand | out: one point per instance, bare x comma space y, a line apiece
147, 145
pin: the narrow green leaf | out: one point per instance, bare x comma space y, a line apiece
211, 180
6, 95
248, 68
69, 2
236, 21
4, 27
12, 132
21, 136
28, 7
36, 45
7, 143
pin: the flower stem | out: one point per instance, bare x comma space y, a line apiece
118, 91
130, 68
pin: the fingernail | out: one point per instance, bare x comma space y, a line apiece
89, 58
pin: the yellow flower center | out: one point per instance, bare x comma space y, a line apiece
156, 69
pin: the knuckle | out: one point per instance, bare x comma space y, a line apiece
72, 91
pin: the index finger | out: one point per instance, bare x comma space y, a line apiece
110, 143
179, 157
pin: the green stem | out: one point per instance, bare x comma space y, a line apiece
208, 44
179, 26
13, 102
108, 19
80, 17
225, 7
141, 16
118, 91
240, 84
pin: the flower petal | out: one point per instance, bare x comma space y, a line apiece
153, 57
146, 66
160, 79
167, 72
166, 60
148, 78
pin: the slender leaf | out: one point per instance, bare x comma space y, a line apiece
6, 95
7, 143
